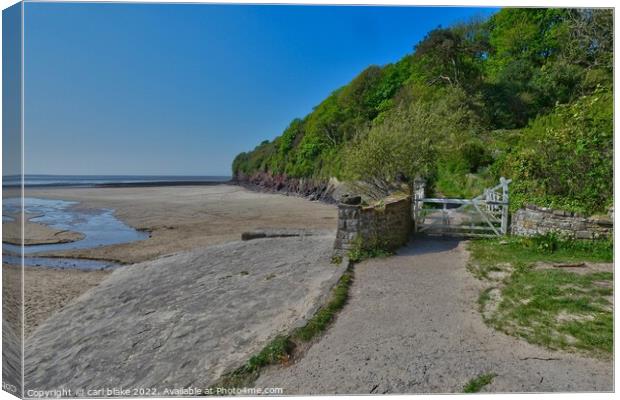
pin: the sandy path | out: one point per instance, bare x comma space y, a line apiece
182, 320
188, 217
412, 326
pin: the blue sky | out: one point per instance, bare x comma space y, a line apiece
181, 89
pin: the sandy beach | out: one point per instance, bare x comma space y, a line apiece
180, 218
48, 290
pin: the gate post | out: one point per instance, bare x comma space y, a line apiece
505, 200
419, 188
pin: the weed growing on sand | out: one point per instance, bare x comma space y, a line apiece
277, 351
320, 321
476, 384
282, 348
336, 260
360, 252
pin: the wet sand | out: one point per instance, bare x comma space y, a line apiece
181, 218
35, 233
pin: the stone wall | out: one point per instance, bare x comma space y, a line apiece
388, 225
533, 220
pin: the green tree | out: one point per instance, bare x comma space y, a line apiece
565, 158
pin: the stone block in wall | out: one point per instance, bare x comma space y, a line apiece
534, 220
584, 235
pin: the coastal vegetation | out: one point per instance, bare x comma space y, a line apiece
525, 94
360, 252
543, 290
284, 347
476, 384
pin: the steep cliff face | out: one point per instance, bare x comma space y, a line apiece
326, 190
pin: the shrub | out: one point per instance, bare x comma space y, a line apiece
565, 159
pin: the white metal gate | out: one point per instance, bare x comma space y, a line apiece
484, 215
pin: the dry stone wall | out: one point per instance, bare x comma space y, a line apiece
388, 225
533, 220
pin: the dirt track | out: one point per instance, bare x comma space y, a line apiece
412, 326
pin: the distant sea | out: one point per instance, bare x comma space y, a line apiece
111, 180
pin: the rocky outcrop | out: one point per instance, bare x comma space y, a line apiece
312, 189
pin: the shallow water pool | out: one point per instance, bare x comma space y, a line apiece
99, 226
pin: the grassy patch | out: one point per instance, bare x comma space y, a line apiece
489, 254
277, 351
558, 309
282, 348
476, 384
549, 307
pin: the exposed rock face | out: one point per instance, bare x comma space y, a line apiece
312, 189
532, 220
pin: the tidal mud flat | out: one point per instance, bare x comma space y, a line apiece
35, 233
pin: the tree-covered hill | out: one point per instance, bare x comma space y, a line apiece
526, 94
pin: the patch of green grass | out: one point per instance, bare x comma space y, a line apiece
282, 348
518, 251
336, 260
558, 309
275, 352
549, 307
476, 384
484, 298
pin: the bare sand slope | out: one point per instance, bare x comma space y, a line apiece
412, 326
47, 290
188, 217
11, 329
181, 320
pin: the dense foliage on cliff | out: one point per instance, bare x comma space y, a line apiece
526, 94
